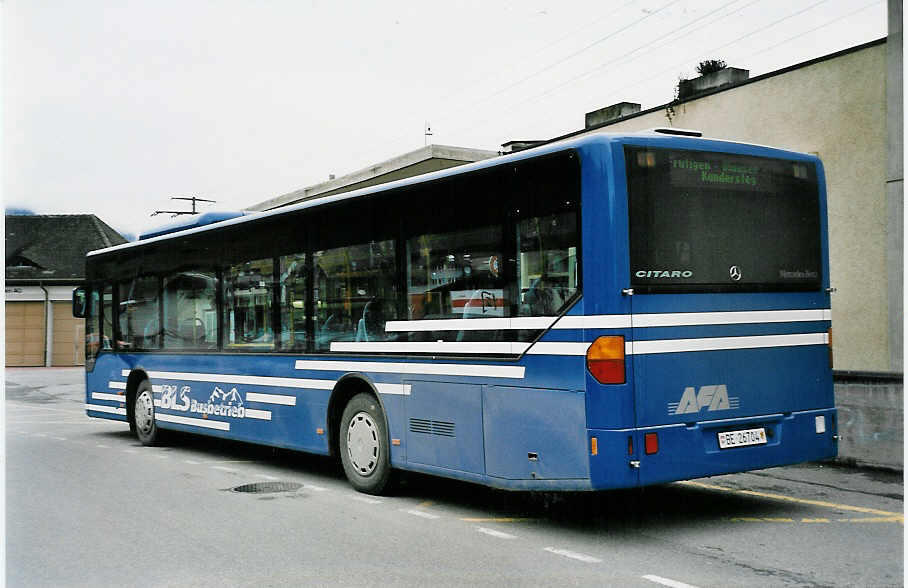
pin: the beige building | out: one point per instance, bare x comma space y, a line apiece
45, 261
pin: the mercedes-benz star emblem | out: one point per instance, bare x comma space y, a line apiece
734, 272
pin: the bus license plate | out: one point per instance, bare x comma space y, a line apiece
730, 439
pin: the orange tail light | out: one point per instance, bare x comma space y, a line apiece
605, 359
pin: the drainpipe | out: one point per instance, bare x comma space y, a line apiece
48, 328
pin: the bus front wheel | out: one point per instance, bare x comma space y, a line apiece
143, 415
364, 448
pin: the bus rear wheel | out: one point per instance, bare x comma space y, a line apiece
143, 415
364, 449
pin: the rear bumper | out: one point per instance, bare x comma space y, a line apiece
686, 452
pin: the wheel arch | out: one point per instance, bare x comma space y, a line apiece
346, 388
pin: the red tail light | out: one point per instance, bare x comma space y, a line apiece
651, 443
605, 359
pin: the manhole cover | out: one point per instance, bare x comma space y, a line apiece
268, 487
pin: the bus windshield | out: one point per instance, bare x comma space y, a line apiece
702, 221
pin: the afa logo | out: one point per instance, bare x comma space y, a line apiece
712, 398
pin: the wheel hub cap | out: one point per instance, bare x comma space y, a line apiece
144, 412
362, 443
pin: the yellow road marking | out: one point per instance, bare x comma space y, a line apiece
818, 520
495, 520
426, 504
875, 520
895, 516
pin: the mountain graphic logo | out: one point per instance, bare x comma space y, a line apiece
231, 398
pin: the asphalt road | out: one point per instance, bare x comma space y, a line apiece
87, 505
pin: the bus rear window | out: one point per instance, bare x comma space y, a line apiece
702, 221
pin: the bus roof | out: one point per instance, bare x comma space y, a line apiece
653, 137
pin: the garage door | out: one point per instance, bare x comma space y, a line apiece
24, 333
69, 336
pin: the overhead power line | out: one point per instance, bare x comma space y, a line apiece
661, 72
598, 41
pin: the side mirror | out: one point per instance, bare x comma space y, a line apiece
79, 302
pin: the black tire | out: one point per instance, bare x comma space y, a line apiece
364, 448
143, 421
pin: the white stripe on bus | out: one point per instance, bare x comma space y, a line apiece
433, 369
271, 398
631, 347
730, 318
463, 347
727, 343
595, 321
613, 321
204, 423
117, 385
110, 409
240, 379
106, 396
251, 413
397, 389
474, 324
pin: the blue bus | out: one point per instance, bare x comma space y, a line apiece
612, 311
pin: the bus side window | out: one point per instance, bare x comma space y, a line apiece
247, 317
293, 283
107, 325
138, 314
547, 263
190, 310
92, 321
355, 293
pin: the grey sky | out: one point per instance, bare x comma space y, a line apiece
111, 107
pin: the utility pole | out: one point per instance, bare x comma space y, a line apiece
176, 213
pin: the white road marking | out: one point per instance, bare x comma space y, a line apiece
364, 499
421, 513
39, 435
102, 446
225, 469
190, 462
574, 555
43, 422
129, 451
47, 408
494, 533
667, 582
59, 438
315, 488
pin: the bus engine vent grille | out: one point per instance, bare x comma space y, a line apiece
432, 427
